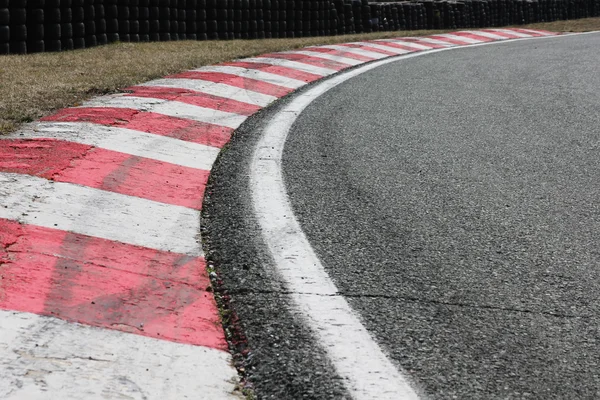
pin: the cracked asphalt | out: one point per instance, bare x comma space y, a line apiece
453, 199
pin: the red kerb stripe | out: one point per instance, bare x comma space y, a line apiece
104, 169
237, 81
277, 70
158, 124
194, 98
107, 284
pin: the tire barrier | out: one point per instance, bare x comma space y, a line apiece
30, 26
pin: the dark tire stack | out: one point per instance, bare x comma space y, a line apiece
134, 21
35, 26
144, 20
78, 24
101, 26
90, 23
123, 18
18, 27
4, 27
111, 13
174, 20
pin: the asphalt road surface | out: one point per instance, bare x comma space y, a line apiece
454, 200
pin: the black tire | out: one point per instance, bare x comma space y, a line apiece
53, 45
36, 46
78, 29
18, 47
4, 16
18, 33
18, 16
102, 39
91, 41
4, 34
79, 43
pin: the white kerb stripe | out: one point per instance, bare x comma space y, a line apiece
416, 46
215, 89
255, 74
460, 38
391, 49
486, 34
171, 108
354, 50
436, 41
94, 212
48, 358
326, 56
136, 143
291, 64
511, 32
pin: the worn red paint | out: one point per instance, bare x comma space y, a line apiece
194, 98
237, 81
277, 70
103, 169
158, 124
107, 284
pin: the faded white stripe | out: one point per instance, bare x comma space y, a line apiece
535, 32
171, 108
47, 358
390, 49
487, 35
215, 89
436, 41
136, 143
413, 45
354, 50
94, 212
326, 56
291, 64
511, 32
463, 39
255, 74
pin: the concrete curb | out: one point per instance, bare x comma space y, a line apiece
104, 289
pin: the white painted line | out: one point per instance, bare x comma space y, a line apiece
360, 52
255, 74
215, 89
463, 39
47, 358
415, 46
93, 212
383, 47
367, 372
326, 56
137, 143
291, 64
487, 35
171, 108
511, 32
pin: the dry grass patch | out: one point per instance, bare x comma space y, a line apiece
575, 25
35, 85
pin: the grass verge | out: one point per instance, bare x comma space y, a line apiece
35, 85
